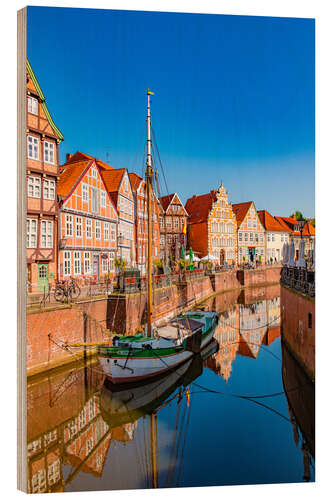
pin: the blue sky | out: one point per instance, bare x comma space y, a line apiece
234, 97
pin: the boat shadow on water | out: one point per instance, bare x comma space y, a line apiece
125, 403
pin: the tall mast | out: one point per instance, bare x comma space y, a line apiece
149, 178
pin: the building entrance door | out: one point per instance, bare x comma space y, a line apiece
43, 277
252, 254
222, 257
96, 265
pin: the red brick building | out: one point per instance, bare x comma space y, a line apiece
212, 226
43, 139
88, 221
141, 222
173, 226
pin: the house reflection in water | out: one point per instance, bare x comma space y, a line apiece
242, 329
71, 431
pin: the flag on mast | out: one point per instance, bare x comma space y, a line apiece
184, 228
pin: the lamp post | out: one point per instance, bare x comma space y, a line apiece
301, 224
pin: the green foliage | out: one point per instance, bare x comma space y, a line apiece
313, 222
298, 215
120, 264
158, 263
181, 263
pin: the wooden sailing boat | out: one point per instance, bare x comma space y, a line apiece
136, 357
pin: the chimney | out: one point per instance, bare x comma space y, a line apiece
68, 156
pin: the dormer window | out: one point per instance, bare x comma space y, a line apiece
33, 105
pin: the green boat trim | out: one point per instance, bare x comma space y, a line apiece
124, 352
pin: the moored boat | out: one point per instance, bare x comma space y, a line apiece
136, 357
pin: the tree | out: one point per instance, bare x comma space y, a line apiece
298, 215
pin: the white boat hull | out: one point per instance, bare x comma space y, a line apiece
120, 369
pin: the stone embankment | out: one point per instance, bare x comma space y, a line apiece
95, 320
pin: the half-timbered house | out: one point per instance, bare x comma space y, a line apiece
88, 222
43, 139
173, 226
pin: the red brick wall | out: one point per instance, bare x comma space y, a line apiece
296, 331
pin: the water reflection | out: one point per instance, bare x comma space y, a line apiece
206, 423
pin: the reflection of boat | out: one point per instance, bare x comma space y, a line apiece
300, 393
126, 403
137, 357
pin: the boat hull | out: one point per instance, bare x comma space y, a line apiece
122, 369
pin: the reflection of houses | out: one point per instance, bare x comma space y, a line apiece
65, 426
212, 226
252, 328
227, 336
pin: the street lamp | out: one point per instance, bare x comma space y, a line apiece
301, 224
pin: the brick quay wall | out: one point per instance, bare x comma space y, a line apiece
94, 320
298, 315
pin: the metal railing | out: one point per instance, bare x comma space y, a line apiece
300, 279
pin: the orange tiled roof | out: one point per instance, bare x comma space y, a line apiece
283, 223
135, 180
166, 200
112, 178
269, 222
79, 156
198, 207
70, 175
309, 230
240, 210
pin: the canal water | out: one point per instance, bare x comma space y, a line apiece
241, 413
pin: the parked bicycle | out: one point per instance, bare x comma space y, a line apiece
66, 290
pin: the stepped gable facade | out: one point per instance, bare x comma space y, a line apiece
42, 172
212, 226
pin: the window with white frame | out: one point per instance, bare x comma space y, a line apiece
111, 261
87, 263
273, 237
67, 263
98, 229
161, 222
46, 233
103, 199
49, 189
34, 184
85, 192
126, 184
31, 233
168, 222
94, 200
78, 227
261, 238
32, 105
106, 231
176, 223
245, 236
89, 228
240, 236
113, 232
251, 236
69, 225
48, 152
94, 173
77, 262
32, 147
105, 265
268, 236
